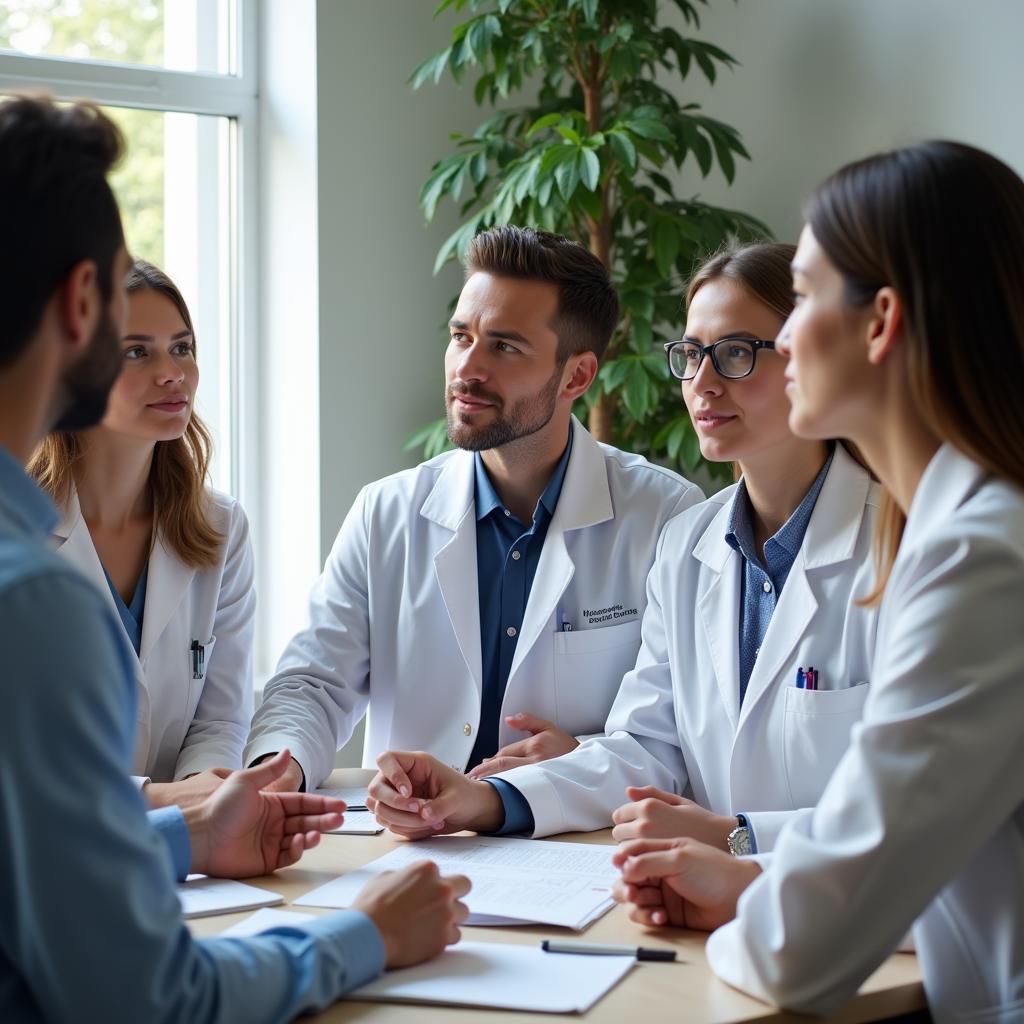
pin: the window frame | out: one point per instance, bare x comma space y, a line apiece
234, 96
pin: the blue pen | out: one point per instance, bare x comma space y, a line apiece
799, 678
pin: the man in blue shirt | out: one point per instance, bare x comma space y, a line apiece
91, 927
485, 605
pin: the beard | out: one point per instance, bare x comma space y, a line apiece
87, 384
524, 417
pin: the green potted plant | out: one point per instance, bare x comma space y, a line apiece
586, 158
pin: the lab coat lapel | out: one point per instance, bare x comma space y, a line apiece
169, 580
831, 538
584, 501
719, 609
451, 505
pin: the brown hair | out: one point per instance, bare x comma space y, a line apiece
177, 477
55, 206
941, 223
763, 269
588, 306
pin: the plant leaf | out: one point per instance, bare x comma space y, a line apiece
590, 168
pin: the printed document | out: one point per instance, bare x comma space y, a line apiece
515, 881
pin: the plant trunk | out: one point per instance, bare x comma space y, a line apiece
602, 412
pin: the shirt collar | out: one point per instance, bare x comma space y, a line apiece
740, 532
487, 499
22, 501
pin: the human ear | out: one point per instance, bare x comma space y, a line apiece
581, 370
885, 325
80, 304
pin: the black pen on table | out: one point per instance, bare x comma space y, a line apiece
607, 949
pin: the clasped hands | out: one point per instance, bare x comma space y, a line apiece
675, 870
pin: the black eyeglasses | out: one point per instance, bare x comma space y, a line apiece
733, 358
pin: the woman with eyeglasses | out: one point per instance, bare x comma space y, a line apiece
754, 662
908, 338
171, 554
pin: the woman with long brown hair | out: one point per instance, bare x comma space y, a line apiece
172, 555
908, 338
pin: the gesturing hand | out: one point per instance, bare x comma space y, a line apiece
416, 796
680, 882
656, 814
546, 741
241, 831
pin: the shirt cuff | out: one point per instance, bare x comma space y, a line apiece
170, 823
357, 940
518, 816
140, 781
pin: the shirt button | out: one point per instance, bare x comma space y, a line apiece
511, 630
516, 556
467, 729
507, 512
767, 587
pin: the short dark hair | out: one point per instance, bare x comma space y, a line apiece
56, 207
588, 306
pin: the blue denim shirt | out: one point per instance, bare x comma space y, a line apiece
507, 553
91, 927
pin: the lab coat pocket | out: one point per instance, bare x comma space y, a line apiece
589, 666
198, 666
816, 733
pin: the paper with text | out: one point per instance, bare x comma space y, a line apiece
515, 881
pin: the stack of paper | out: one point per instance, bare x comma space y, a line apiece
515, 881
202, 897
354, 796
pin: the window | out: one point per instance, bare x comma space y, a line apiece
178, 77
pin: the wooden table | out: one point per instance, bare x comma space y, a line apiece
681, 993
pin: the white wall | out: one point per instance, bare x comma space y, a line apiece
823, 82
381, 308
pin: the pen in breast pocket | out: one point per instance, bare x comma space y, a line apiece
566, 626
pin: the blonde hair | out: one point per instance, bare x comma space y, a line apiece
178, 475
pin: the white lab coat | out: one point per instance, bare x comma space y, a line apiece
677, 722
394, 621
186, 725
924, 816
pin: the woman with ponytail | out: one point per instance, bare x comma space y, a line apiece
171, 554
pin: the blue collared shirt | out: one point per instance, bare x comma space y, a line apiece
91, 927
507, 553
762, 582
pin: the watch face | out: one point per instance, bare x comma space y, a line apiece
739, 841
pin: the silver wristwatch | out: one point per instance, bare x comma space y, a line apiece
739, 838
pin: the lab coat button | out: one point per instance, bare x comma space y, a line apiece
511, 630
515, 556
467, 729
767, 587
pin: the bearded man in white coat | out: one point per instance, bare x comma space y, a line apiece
496, 591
